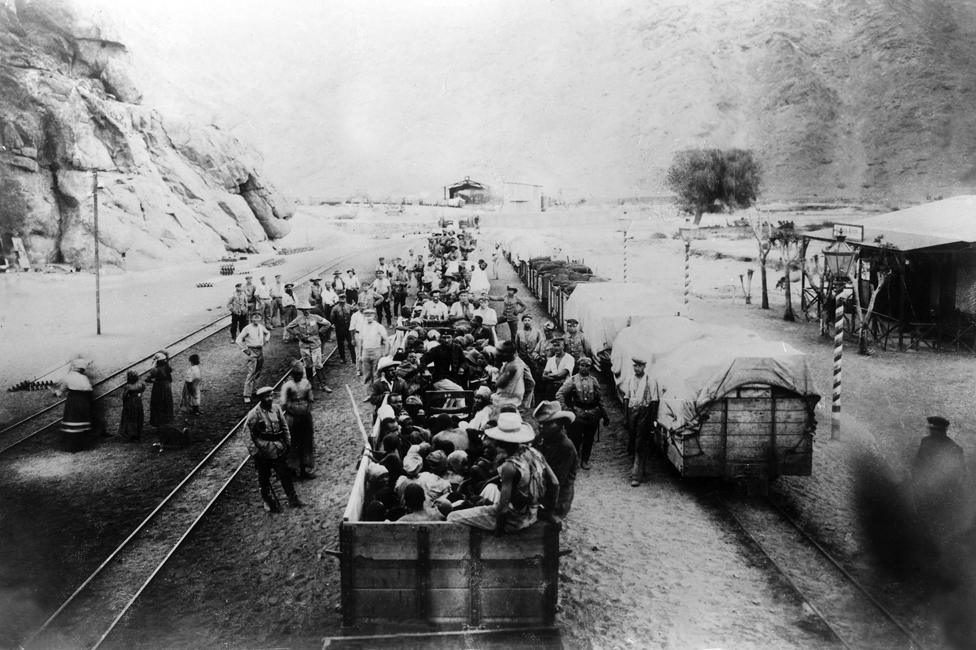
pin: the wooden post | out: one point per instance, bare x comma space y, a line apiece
687, 274
98, 266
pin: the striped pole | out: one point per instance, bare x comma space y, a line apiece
626, 256
838, 363
687, 274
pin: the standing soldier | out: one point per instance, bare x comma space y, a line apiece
270, 443
576, 343
341, 317
307, 329
277, 291
252, 340
401, 281
288, 310
262, 300
581, 395
642, 396
238, 306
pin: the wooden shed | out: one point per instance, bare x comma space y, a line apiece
928, 253
468, 190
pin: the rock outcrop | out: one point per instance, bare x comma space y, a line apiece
169, 190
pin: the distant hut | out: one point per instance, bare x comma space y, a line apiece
468, 190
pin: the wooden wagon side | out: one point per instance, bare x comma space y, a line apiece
754, 432
444, 575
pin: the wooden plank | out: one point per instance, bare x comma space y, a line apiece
385, 574
385, 604
355, 505
782, 404
525, 543
449, 605
525, 605
449, 541
446, 574
763, 418
385, 541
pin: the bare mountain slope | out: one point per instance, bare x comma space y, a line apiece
867, 99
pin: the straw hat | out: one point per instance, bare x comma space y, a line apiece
386, 362
551, 411
511, 429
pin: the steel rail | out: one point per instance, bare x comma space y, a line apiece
6, 446
847, 574
47, 625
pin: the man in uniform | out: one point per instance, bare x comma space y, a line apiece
581, 395
249, 292
641, 395
559, 452
576, 343
315, 292
307, 328
238, 307
269, 445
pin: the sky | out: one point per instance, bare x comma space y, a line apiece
400, 98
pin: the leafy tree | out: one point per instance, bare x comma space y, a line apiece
885, 262
708, 180
787, 241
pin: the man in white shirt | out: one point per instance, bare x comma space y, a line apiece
479, 279
383, 266
462, 309
480, 308
277, 290
262, 298
329, 300
558, 369
356, 323
383, 289
435, 309
252, 340
641, 396
373, 344
352, 285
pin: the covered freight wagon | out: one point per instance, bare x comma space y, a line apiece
732, 406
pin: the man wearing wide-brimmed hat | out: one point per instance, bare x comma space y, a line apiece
527, 482
308, 328
558, 450
387, 382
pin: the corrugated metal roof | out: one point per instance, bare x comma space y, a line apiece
938, 223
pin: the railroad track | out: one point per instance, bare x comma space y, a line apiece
855, 617
49, 417
90, 615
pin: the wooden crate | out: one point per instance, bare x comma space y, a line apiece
758, 432
445, 575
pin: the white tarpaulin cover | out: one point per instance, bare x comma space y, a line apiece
605, 308
695, 364
523, 245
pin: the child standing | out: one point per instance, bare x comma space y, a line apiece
192, 380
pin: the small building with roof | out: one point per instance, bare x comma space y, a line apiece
468, 190
930, 252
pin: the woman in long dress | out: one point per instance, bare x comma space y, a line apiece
296, 401
161, 398
76, 423
130, 427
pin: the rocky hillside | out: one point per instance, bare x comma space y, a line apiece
170, 190
866, 100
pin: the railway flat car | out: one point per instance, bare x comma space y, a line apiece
443, 575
